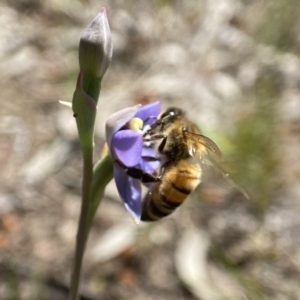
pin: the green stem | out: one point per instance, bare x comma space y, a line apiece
102, 175
82, 232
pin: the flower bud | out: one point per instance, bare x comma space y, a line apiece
95, 47
84, 108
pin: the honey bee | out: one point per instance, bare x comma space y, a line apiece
182, 150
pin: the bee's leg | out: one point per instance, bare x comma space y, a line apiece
157, 136
149, 139
146, 178
163, 143
161, 173
141, 175
160, 136
162, 125
157, 124
135, 173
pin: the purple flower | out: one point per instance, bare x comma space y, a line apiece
124, 135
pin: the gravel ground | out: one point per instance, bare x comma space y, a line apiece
234, 66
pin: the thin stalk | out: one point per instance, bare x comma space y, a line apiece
82, 232
102, 175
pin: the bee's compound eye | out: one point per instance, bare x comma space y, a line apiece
171, 112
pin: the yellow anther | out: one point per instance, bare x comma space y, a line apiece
135, 124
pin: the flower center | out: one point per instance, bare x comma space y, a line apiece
136, 124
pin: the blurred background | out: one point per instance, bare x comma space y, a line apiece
234, 66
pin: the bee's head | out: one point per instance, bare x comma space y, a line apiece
171, 112
165, 119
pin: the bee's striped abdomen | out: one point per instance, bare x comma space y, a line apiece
178, 181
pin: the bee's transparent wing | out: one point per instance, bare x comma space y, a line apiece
209, 155
201, 145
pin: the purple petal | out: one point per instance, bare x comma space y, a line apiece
127, 146
149, 111
149, 152
149, 166
130, 191
150, 161
117, 120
